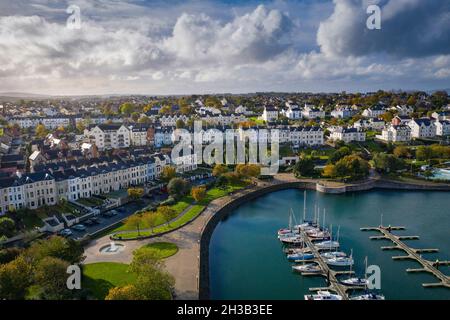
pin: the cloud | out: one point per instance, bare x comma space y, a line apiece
191, 47
410, 28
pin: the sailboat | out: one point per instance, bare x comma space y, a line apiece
368, 295
340, 261
332, 254
291, 230
323, 295
309, 268
355, 281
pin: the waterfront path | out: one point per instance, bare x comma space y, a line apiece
184, 265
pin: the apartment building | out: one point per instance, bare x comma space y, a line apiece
109, 136
348, 134
422, 128
396, 133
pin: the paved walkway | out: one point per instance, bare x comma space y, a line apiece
184, 265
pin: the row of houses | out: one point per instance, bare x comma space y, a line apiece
415, 128
49, 186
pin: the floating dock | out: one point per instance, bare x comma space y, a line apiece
412, 254
331, 275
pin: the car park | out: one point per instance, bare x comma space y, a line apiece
65, 232
79, 227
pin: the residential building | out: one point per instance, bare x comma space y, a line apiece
109, 136
396, 133
442, 127
270, 114
348, 134
422, 128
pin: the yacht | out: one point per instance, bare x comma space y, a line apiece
340, 261
323, 295
309, 268
368, 296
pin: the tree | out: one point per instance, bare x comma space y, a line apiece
232, 177
168, 173
50, 276
134, 222
41, 131
219, 169
329, 171
177, 187
339, 154
9, 254
384, 162
151, 219
144, 119
198, 193
402, 152
304, 167
135, 116
180, 124
135, 193
80, 126
57, 247
15, 278
126, 108
7, 227
353, 167
424, 153
248, 170
167, 213
123, 293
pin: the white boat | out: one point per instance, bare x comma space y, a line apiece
328, 244
368, 296
340, 261
355, 282
309, 268
292, 240
323, 295
332, 254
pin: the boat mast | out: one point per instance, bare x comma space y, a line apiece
304, 207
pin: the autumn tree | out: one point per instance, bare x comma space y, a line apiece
150, 219
168, 173
198, 193
219, 169
167, 213
135, 193
178, 187
134, 222
41, 131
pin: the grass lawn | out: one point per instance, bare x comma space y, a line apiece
161, 250
100, 277
179, 207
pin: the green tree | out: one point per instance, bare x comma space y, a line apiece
126, 108
50, 276
151, 220
167, 213
352, 167
57, 247
7, 227
15, 278
384, 162
304, 167
178, 187
134, 222
424, 153
402, 152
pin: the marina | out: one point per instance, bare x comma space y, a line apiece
260, 268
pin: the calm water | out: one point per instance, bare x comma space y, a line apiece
247, 262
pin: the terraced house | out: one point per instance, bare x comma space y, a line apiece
48, 187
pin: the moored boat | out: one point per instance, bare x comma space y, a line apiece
368, 296
340, 261
323, 295
309, 268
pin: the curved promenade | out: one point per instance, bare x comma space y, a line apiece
190, 266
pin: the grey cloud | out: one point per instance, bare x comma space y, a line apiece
410, 28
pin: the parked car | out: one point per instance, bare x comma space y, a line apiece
95, 220
88, 222
65, 232
107, 214
79, 227
114, 212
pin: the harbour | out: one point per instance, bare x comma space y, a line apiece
265, 272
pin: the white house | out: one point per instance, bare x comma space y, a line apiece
270, 114
348, 134
422, 128
292, 112
109, 136
442, 127
374, 112
395, 133
312, 112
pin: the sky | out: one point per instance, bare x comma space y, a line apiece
205, 46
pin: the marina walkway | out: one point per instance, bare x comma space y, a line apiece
412, 254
